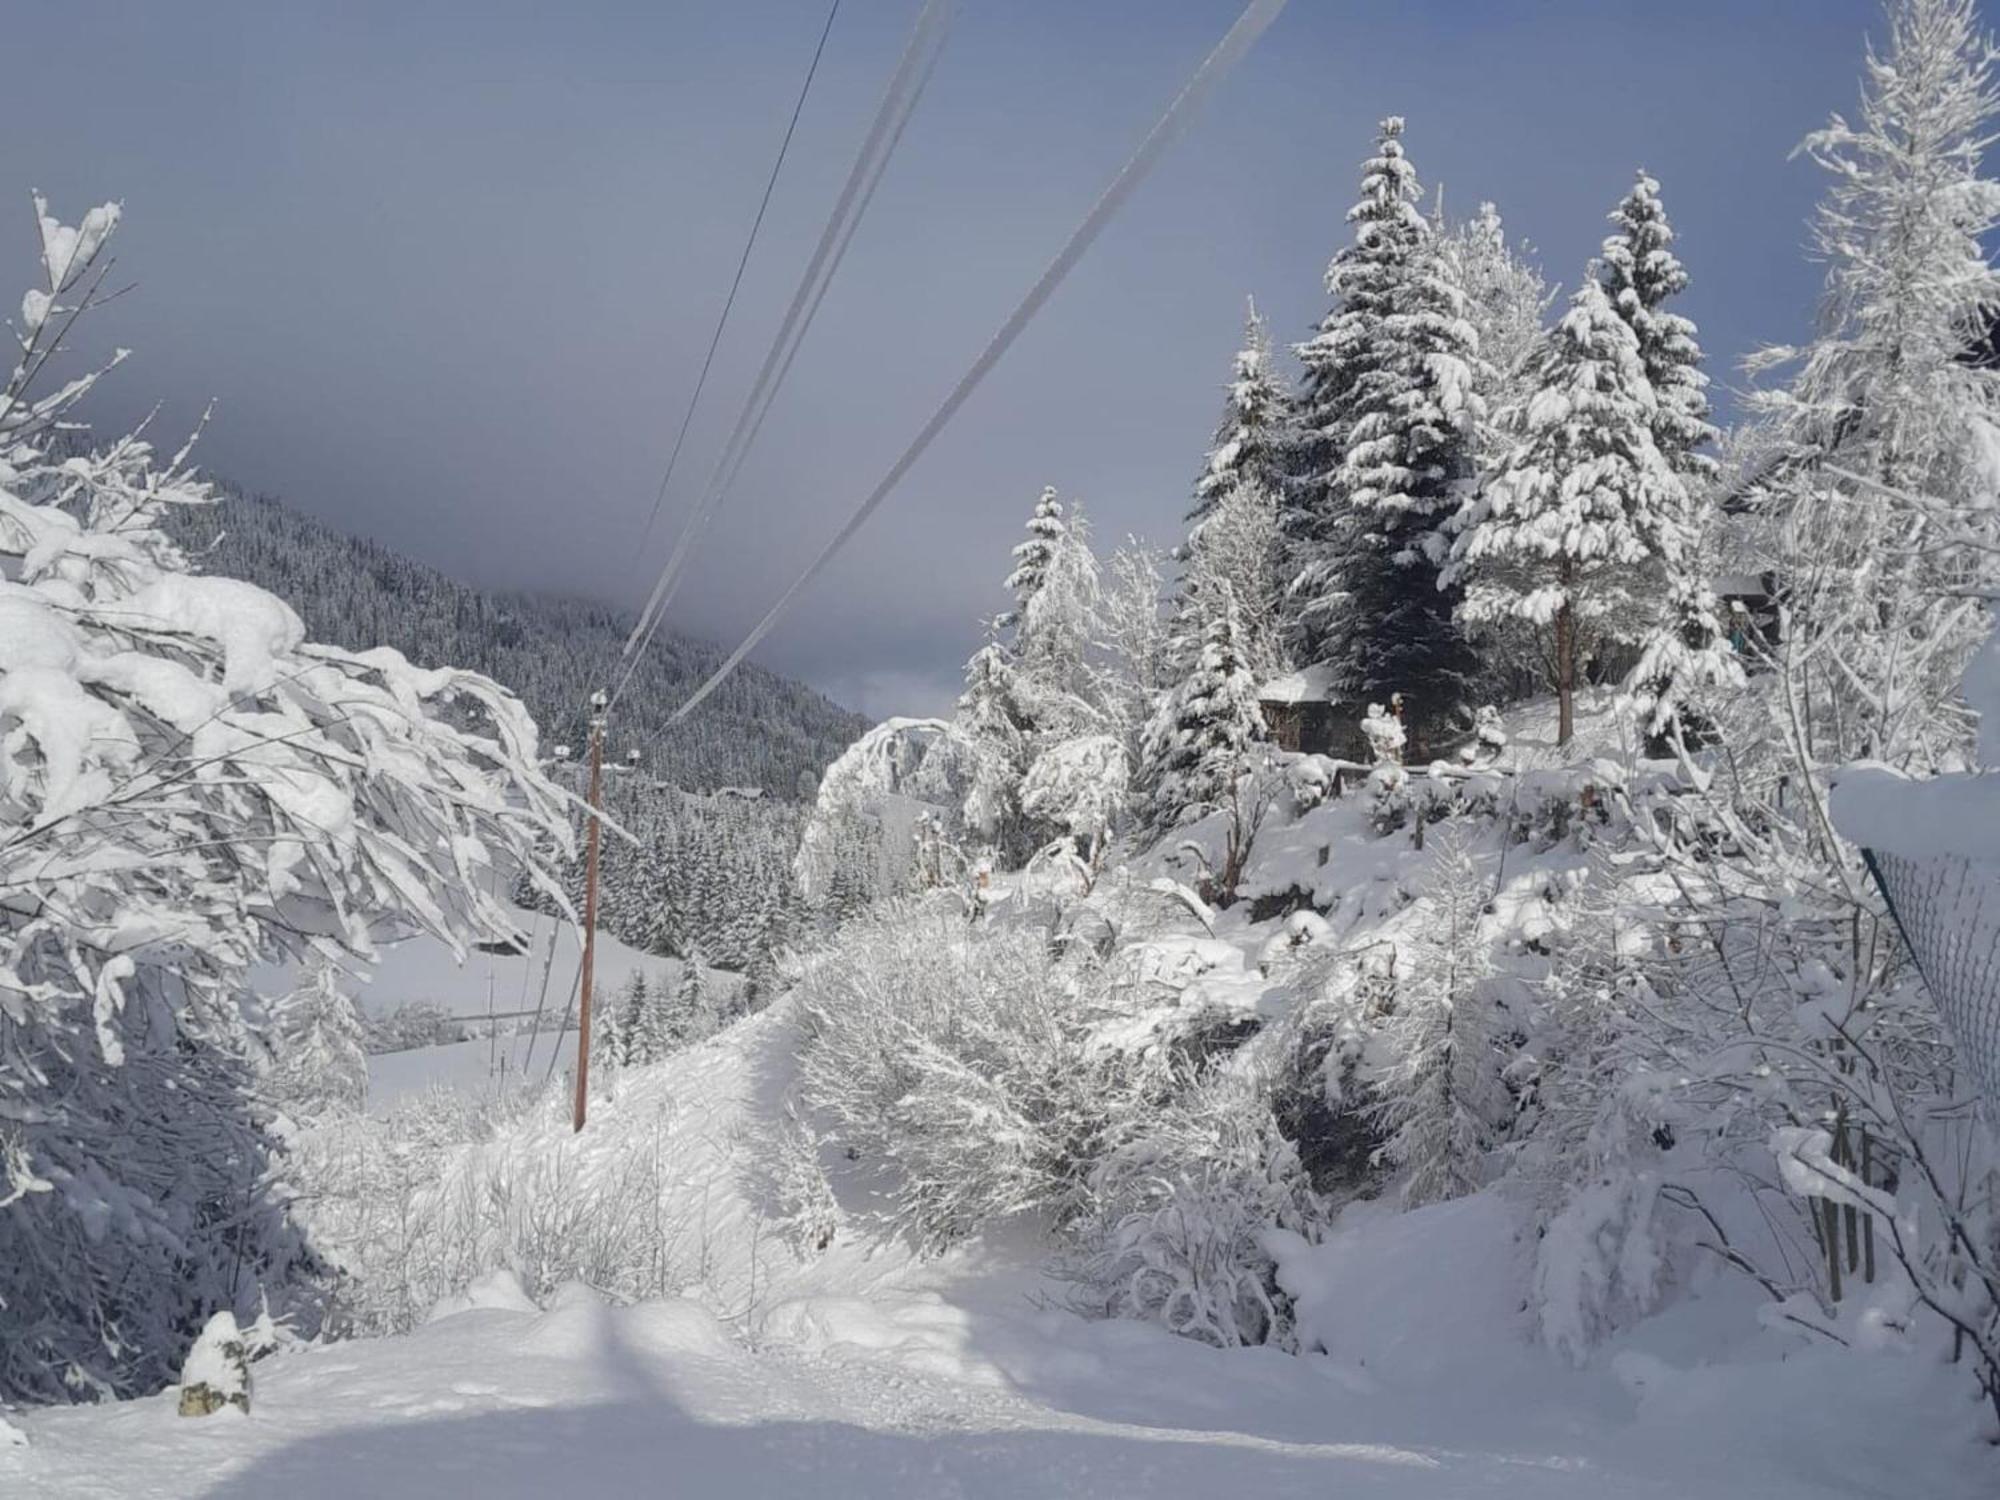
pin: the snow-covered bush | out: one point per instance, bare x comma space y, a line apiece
1079, 788
413, 1207
1179, 1214
955, 1052
802, 1204
186, 786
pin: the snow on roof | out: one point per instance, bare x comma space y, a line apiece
1312, 684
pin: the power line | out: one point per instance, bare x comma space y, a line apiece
1256, 18
731, 464
898, 101
742, 261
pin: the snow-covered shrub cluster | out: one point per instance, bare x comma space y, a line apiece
957, 1053
187, 785
414, 1206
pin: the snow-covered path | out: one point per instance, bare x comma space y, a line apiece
658, 1400
864, 1399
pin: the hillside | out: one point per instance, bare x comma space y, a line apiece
759, 729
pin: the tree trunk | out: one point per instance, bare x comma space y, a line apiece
1565, 674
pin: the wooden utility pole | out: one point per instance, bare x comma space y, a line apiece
598, 703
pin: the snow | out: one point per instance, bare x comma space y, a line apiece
950, 1380
216, 1361
1312, 684
424, 971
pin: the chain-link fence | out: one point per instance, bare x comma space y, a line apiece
1948, 909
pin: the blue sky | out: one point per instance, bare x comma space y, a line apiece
448, 270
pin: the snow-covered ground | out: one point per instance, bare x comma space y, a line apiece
863, 1371
424, 971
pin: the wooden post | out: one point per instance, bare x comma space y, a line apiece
597, 706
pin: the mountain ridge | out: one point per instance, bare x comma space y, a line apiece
759, 728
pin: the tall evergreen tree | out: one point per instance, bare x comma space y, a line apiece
1686, 658
1388, 413
1055, 584
1639, 272
630, 1019
1198, 745
991, 719
1253, 440
1561, 535
1033, 558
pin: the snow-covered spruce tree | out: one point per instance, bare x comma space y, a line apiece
690, 1016
993, 723
1253, 440
1056, 589
321, 1065
186, 787
1878, 494
1200, 744
1685, 658
1043, 686
1388, 415
1686, 663
1433, 1073
1639, 272
1562, 535
628, 1023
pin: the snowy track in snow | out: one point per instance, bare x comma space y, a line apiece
851, 1398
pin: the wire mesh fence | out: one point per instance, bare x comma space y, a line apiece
1947, 907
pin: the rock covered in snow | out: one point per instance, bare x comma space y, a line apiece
217, 1372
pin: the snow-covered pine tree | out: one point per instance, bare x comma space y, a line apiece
1047, 533
1253, 440
1562, 535
992, 721
1434, 1076
1199, 743
1136, 661
1685, 657
1639, 272
1389, 415
629, 1020
691, 1015
321, 1065
1056, 590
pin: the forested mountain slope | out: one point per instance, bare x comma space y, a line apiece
759, 729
